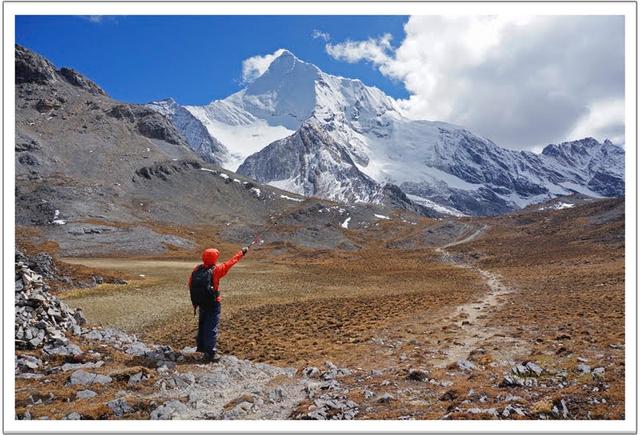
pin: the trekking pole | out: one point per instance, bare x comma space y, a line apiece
258, 237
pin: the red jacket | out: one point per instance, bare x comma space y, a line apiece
209, 258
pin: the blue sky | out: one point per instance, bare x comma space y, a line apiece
521, 81
196, 59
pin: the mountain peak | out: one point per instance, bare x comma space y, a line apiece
286, 63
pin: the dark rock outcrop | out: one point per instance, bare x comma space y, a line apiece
33, 68
79, 80
147, 122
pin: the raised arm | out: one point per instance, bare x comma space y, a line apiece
222, 269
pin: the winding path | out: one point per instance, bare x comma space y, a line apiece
473, 330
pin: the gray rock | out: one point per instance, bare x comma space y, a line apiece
94, 334
73, 416
169, 410
520, 370
85, 394
493, 412
137, 377
29, 376
29, 362
66, 350
598, 373
311, 372
583, 368
534, 368
188, 350
76, 366
119, 407
36, 342
466, 365
385, 398
183, 380
510, 409
138, 349
277, 395
81, 377
512, 381
337, 408
565, 411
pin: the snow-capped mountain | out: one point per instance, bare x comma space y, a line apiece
310, 162
192, 130
312, 133
598, 167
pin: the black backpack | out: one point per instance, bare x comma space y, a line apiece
201, 289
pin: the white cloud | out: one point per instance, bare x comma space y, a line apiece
255, 66
373, 50
604, 118
318, 34
521, 81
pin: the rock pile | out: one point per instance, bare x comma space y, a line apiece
41, 318
327, 395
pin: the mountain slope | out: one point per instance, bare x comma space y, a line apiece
311, 163
95, 176
196, 135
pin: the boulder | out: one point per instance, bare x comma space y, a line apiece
169, 410
119, 407
81, 377
85, 394
598, 373
583, 368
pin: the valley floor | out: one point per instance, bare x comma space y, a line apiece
505, 323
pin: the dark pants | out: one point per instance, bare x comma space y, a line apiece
208, 328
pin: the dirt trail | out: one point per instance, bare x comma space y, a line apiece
470, 317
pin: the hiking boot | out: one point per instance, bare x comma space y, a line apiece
211, 358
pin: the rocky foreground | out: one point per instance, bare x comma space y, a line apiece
66, 369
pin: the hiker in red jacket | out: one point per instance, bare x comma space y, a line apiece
205, 293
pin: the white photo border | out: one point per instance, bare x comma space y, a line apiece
626, 8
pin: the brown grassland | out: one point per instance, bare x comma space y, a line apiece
557, 295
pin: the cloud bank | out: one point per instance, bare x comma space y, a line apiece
521, 81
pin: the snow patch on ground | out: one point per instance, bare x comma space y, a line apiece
437, 207
56, 221
381, 216
345, 224
291, 199
256, 191
558, 206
